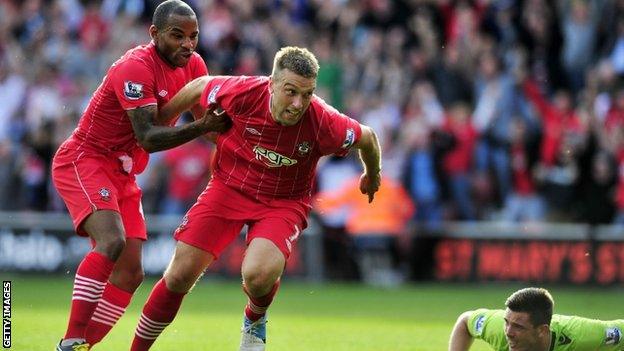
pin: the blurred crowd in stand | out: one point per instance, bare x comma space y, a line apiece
486, 109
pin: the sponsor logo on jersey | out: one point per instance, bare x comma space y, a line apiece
613, 337
479, 324
212, 96
253, 131
349, 139
563, 339
272, 158
104, 194
303, 148
133, 91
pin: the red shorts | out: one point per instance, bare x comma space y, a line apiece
219, 214
88, 183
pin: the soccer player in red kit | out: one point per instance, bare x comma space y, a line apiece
263, 172
94, 169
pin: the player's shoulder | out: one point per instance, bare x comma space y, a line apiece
241, 84
142, 55
477, 320
588, 330
197, 62
320, 107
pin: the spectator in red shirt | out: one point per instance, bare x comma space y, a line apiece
458, 161
524, 203
189, 171
558, 119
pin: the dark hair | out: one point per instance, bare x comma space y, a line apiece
537, 302
298, 60
168, 8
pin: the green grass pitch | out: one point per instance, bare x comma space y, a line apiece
304, 317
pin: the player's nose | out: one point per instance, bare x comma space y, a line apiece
188, 43
297, 102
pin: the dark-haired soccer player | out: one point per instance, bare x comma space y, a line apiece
94, 169
263, 172
528, 324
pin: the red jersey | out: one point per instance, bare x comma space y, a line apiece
139, 78
556, 123
266, 160
522, 181
459, 159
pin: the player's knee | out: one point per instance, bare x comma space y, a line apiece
179, 281
111, 246
132, 279
259, 281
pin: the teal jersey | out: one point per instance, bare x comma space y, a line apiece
569, 333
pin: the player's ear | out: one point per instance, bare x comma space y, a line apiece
153, 32
271, 88
544, 329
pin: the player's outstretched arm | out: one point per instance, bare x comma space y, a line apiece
370, 154
154, 138
460, 339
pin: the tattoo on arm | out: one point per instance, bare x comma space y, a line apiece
154, 138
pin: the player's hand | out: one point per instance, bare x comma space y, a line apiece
215, 119
369, 184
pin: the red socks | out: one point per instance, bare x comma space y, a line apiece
257, 306
159, 310
91, 277
111, 307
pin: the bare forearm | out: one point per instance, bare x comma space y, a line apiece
154, 138
370, 153
185, 99
160, 138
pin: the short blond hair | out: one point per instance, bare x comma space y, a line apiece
297, 60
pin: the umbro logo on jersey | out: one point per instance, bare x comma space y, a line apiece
162, 93
272, 158
133, 91
253, 131
564, 340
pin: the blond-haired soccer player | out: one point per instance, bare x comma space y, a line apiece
264, 169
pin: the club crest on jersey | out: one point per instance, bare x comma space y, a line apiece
564, 340
104, 194
303, 148
272, 158
133, 91
614, 336
349, 139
